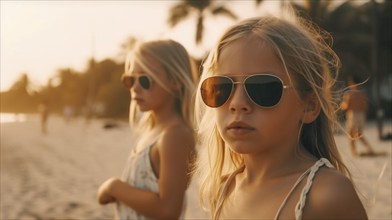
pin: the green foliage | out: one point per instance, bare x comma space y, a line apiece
361, 37
100, 83
110, 90
19, 98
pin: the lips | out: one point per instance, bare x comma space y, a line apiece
239, 128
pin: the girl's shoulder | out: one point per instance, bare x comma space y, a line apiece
333, 194
178, 129
330, 181
177, 134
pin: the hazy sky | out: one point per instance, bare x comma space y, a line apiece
40, 37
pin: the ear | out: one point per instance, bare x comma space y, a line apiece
312, 109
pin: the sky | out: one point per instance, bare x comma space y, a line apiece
40, 37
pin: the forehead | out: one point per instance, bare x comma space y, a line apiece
247, 56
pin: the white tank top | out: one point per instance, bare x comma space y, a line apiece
139, 173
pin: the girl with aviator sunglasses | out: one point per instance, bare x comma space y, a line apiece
265, 114
162, 79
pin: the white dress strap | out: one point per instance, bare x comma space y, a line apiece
300, 205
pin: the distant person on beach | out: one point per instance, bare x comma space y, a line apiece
43, 110
265, 114
68, 113
355, 103
161, 78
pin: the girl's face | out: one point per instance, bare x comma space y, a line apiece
146, 91
244, 126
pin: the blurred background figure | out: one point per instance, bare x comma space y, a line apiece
68, 113
355, 103
43, 110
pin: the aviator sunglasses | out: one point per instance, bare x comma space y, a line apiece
144, 80
265, 90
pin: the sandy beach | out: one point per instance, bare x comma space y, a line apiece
56, 176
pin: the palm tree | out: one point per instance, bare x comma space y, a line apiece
356, 33
183, 10
348, 31
378, 17
258, 2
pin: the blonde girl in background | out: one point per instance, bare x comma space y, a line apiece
265, 115
162, 79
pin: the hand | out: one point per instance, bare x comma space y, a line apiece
104, 192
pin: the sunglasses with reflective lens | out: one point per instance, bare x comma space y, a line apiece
264, 90
144, 80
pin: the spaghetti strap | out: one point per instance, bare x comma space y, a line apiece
301, 203
221, 197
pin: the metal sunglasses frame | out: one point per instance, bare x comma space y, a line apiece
246, 91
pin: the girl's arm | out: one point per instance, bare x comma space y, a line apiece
144, 202
175, 148
333, 196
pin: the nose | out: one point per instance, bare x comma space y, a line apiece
239, 101
136, 87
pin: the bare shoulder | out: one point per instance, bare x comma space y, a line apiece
333, 195
177, 135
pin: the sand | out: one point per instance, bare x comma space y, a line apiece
56, 176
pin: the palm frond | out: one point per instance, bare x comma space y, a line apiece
220, 10
178, 13
200, 5
258, 2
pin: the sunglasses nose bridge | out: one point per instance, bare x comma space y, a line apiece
239, 98
235, 87
136, 84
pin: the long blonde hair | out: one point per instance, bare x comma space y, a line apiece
179, 68
312, 64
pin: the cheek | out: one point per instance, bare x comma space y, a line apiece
286, 121
220, 119
159, 96
293, 105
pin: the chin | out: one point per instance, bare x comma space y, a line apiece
143, 108
241, 148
